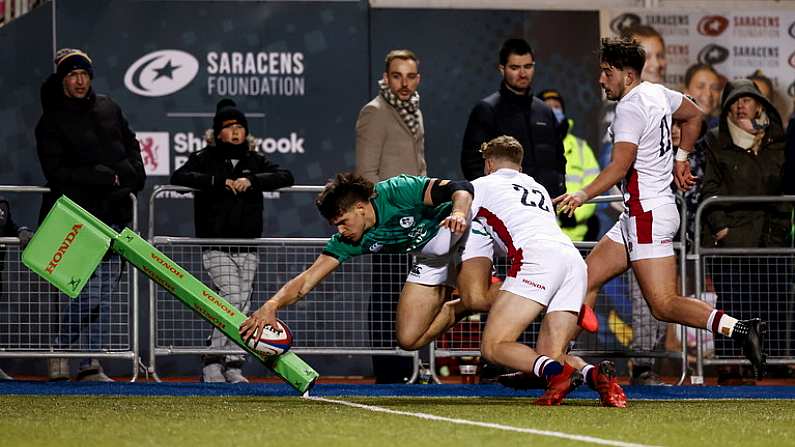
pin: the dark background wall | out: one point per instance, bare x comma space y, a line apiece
342, 45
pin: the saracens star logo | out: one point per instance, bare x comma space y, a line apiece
161, 73
712, 25
624, 21
713, 54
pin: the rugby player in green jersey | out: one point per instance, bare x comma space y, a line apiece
423, 216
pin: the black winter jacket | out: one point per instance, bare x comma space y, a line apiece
219, 213
733, 171
531, 122
84, 145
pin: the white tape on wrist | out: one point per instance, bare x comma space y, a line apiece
581, 194
681, 154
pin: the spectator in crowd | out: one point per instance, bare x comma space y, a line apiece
581, 169
704, 84
654, 45
89, 153
230, 177
9, 228
514, 111
390, 136
390, 140
745, 157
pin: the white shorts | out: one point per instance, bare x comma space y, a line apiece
438, 262
550, 273
479, 243
648, 235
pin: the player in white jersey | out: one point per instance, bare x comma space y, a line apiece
643, 158
546, 272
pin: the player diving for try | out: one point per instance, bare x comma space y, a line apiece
513, 214
424, 216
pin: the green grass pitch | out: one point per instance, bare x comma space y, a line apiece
93, 421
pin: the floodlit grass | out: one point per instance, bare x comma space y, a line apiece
93, 421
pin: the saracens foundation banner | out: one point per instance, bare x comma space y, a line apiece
736, 43
297, 69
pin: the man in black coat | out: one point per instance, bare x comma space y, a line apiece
89, 153
515, 111
230, 177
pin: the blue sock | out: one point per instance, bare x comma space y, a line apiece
546, 367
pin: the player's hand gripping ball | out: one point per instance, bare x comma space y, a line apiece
273, 340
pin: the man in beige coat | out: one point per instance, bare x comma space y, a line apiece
390, 140
390, 137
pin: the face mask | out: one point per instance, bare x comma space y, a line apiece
559, 115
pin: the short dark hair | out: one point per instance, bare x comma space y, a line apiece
695, 68
504, 147
635, 31
400, 54
515, 46
341, 193
623, 54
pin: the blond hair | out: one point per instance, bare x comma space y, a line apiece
503, 147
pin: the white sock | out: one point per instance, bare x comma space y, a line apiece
586, 373
720, 323
726, 325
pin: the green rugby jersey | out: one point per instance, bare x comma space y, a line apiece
403, 223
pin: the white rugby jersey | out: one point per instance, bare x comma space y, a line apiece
643, 117
515, 210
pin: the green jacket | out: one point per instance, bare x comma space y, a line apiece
731, 170
581, 169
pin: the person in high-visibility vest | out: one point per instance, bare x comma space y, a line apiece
581, 167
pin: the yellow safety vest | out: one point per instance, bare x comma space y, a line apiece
581, 169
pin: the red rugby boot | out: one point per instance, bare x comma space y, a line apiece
560, 386
603, 378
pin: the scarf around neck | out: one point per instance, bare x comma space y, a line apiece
745, 139
409, 110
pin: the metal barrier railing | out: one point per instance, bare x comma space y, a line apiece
31, 311
336, 318
463, 340
750, 282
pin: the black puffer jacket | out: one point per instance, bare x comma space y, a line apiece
532, 123
734, 171
84, 145
220, 213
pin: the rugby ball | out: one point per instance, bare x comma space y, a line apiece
273, 340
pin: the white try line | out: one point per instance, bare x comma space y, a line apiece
532, 431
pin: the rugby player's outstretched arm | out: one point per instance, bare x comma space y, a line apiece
294, 290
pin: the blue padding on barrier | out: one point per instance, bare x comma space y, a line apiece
337, 390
